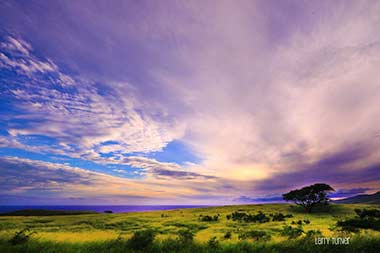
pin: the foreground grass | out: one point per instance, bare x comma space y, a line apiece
359, 244
110, 232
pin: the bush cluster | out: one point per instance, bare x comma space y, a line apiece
292, 232
227, 235
313, 233
280, 216
260, 217
257, 235
300, 222
185, 236
141, 239
365, 219
208, 217
366, 213
213, 243
21, 237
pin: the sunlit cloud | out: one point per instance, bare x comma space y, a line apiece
264, 100
25, 177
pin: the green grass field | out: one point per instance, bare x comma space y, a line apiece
89, 233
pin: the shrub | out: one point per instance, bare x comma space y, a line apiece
21, 237
227, 235
141, 239
280, 216
299, 222
354, 224
170, 245
208, 218
213, 243
255, 234
375, 213
185, 236
313, 233
260, 217
306, 221
292, 232
228, 216
366, 219
108, 211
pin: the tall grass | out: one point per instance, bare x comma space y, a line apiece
358, 244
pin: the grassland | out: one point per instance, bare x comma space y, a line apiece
88, 233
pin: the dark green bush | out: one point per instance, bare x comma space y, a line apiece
313, 233
363, 213
300, 222
354, 224
280, 216
208, 218
260, 217
21, 237
365, 219
254, 234
141, 239
292, 232
227, 235
171, 245
213, 243
185, 236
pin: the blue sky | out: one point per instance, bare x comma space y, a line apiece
196, 102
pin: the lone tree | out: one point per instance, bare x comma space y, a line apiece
309, 196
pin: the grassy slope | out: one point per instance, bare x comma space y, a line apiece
95, 228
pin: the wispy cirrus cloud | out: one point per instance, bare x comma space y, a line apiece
86, 118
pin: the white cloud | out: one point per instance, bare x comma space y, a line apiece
253, 98
252, 102
25, 177
24, 63
83, 115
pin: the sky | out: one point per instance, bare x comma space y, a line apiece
187, 102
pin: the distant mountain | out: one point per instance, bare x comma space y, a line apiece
361, 199
40, 212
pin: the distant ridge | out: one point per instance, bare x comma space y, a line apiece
361, 199
39, 212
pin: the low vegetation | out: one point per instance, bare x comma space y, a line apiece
292, 232
271, 228
209, 217
260, 217
365, 219
256, 235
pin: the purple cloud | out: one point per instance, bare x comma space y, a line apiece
271, 95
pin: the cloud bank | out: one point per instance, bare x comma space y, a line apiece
270, 96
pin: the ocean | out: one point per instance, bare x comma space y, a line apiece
101, 209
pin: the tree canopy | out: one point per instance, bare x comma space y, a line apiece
310, 196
